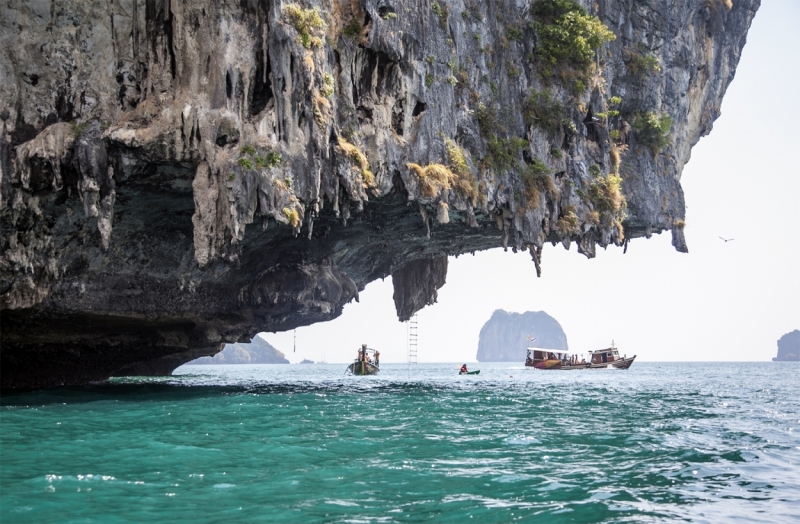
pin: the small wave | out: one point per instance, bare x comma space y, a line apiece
550, 486
346, 503
518, 477
522, 441
89, 477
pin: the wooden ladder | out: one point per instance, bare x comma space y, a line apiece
411, 328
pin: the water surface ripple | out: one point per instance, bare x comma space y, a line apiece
703, 442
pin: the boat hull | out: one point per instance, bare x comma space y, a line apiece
363, 368
477, 372
623, 363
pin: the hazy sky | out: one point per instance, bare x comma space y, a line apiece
722, 301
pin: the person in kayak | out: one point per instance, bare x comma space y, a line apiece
464, 369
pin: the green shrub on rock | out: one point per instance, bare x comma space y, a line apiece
640, 62
306, 21
273, 159
652, 130
536, 179
544, 111
442, 11
352, 29
605, 192
567, 38
463, 180
503, 153
569, 223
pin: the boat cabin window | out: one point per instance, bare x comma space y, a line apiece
541, 355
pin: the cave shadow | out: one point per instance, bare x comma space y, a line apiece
175, 392
113, 392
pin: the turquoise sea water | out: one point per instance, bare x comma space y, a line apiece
705, 442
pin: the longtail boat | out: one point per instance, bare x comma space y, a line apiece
599, 359
367, 362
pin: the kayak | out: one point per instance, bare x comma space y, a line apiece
469, 372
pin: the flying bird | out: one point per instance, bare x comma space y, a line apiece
726, 239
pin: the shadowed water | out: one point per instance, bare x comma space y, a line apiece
704, 442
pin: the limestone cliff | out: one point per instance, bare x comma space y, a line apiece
176, 175
788, 347
259, 351
506, 336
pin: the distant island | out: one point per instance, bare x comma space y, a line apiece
504, 337
789, 347
259, 351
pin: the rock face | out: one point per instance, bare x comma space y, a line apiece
177, 175
788, 347
506, 336
259, 351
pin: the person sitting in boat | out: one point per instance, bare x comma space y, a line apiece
464, 369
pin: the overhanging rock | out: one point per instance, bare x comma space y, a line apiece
179, 174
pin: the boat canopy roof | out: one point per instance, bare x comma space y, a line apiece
563, 352
559, 351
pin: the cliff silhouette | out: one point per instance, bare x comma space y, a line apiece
505, 337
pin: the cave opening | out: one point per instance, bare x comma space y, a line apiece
399, 116
262, 87
591, 123
168, 30
364, 115
378, 72
384, 11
